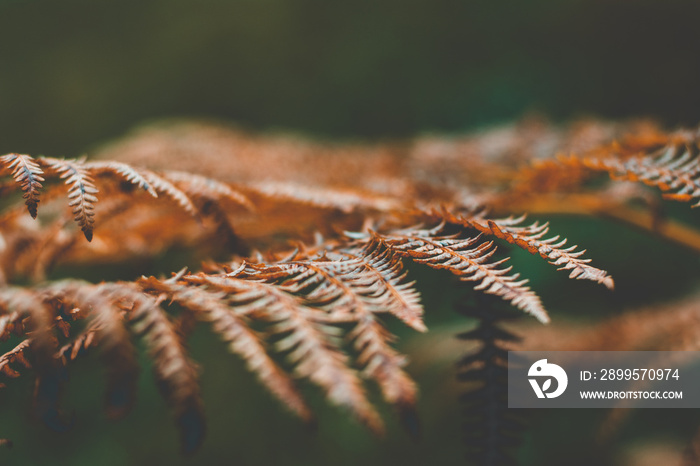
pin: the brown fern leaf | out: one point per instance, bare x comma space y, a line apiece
317, 286
119, 356
81, 193
29, 314
27, 173
107, 306
470, 260
51, 374
374, 274
129, 173
107, 329
200, 186
18, 306
308, 338
315, 351
176, 374
385, 365
322, 307
675, 170
11, 323
71, 293
352, 289
164, 186
529, 238
371, 265
234, 328
382, 270
15, 356
146, 180
344, 200
78, 345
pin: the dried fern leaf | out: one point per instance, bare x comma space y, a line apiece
11, 323
28, 313
351, 289
107, 328
15, 356
383, 272
27, 173
374, 276
164, 186
343, 200
51, 374
234, 329
675, 170
529, 238
78, 345
201, 186
311, 280
129, 173
470, 260
308, 339
145, 179
383, 364
81, 192
176, 374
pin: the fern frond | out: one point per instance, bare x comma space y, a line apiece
356, 290
11, 323
382, 270
200, 186
18, 306
81, 344
27, 173
176, 374
529, 238
470, 260
164, 186
328, 198
129, 173
51, 375
307, 337
146, 180
385, 365
81, 192
233, 328
107, 328
375, 274
321, 308
491, 429
675, 170
15, 356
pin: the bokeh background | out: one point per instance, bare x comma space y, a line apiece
76, 73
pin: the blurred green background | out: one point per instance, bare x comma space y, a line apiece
75, 73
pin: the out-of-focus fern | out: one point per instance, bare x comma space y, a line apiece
491, 430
